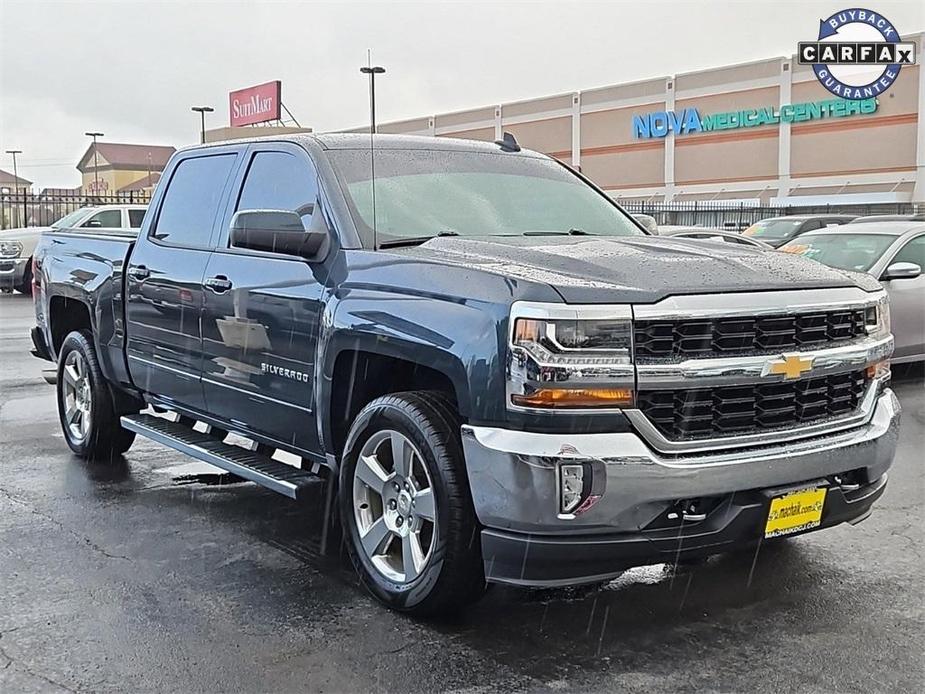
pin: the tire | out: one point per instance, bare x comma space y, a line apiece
26, 286
446, 571
86, 409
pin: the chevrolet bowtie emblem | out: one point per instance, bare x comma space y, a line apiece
788, 366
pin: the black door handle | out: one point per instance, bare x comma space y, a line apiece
218, 284
139, 272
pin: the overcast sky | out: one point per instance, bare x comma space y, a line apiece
133, 69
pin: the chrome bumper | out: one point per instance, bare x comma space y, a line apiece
12, 271
513, 474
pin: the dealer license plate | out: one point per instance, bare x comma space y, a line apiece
795, 511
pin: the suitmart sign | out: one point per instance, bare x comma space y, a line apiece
689, 120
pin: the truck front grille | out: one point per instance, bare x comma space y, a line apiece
716, 337
755, 408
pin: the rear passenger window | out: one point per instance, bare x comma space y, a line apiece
192, 199
279, 181
135, 217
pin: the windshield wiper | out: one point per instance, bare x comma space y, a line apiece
570, 232
415, 240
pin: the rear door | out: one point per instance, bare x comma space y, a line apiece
262, 310
164, 287
907, 305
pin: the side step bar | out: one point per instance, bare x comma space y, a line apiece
282, 478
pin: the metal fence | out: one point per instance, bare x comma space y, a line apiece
26, 209
719, 214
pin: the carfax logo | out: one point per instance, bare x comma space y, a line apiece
858, 54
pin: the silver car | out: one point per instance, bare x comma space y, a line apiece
894, 253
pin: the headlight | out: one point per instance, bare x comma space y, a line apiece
10, 249
570, 357
877, 318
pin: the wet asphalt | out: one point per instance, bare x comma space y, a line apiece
151, 576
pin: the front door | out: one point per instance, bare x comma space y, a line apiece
164, 281
262, 311
907, 306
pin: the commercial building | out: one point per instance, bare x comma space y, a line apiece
765, 132
125, 170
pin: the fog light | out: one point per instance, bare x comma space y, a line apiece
571, 487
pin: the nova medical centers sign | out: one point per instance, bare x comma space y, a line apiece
689, 120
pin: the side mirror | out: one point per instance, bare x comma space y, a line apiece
902, 271
276, 231
94, 223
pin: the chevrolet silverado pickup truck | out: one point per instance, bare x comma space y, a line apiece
473, 359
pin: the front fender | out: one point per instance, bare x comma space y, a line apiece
457, 337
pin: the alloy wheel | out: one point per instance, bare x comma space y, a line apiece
393, 505
78, 396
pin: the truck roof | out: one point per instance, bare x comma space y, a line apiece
382, 142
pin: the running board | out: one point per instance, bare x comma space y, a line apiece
269, 473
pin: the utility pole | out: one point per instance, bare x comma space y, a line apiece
202, 111
372, 71
16, 186
96, 162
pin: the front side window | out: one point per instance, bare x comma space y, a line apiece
192, 200
279, 181
844, 251
68, 221
423, 193
107, 219
912, 252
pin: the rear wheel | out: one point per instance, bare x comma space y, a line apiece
85, 404
405, 504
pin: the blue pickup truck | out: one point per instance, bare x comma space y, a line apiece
486, 370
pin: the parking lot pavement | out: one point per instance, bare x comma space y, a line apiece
151, 576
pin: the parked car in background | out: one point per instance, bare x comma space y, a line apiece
713, 235
18, 245
777, 231
894, 253
920, 217
648, 222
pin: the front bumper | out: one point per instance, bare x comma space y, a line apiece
12, 271
513, 476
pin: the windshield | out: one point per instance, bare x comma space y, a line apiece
774, 228
423, 193
70, 220
844, 251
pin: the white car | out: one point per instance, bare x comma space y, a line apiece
17, 245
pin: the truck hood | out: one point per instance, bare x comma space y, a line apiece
638, 269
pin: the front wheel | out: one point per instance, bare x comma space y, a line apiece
406, 508
86, 408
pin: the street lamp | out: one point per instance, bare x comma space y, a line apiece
202, 111
372, 72
16, 185
96, 162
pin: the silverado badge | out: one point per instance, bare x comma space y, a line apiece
789, 366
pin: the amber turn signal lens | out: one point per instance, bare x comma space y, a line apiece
576, 397
881, 368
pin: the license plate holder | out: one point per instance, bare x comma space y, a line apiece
795, 511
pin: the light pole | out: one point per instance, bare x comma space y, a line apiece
96, 162
16, 185
372, 72
202, 111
